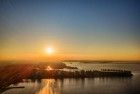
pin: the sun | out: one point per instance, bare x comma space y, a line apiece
49, 50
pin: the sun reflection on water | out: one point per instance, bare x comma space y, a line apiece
49, 87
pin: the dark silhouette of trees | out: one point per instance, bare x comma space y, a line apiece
39, 74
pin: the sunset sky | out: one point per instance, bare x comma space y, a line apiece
74, 29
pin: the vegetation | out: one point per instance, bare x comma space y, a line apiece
41, 74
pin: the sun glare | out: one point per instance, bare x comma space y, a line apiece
49, 50
49, 68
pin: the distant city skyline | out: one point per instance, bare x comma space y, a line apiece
75, 29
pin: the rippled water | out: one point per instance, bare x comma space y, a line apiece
97, 66
97, 85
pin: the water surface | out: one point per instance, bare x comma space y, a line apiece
98, 85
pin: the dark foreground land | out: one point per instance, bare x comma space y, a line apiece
15, 73
40, 74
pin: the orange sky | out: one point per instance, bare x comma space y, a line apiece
58, 57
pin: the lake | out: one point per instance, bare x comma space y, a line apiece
98, 85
